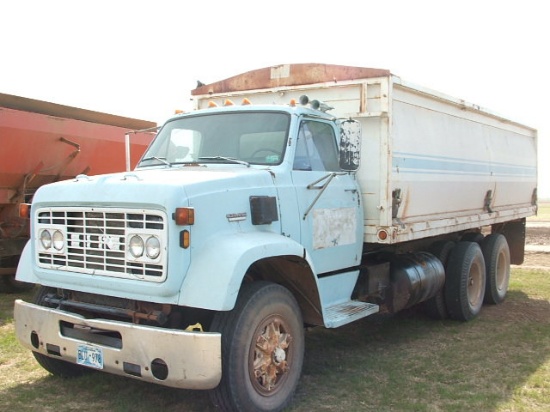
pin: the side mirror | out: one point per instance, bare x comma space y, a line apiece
350, 145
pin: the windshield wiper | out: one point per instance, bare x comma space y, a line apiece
160, 159
227, 159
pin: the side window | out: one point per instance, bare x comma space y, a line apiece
316, 147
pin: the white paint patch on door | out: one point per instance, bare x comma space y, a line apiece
334, 227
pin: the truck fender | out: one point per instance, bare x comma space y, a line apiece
216, 272
25, 272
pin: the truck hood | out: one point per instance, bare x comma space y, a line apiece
216, 194
150, 188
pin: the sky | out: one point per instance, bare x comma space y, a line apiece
141, 59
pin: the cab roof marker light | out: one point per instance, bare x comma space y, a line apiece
212, 104
228, 102
178, 111
292, 103
246, 102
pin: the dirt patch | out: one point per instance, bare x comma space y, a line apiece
537, 245
536, 260
538, 233
519, 309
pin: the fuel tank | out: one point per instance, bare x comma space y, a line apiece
414, 278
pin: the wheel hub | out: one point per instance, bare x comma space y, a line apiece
279, 355
270, 354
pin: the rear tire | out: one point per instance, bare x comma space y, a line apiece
436, 307
497, 266
262, 349
472, 237
55, 366
465, 281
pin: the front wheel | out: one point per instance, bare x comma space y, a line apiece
262, 349
8, 284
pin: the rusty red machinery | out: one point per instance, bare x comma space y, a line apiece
43, 142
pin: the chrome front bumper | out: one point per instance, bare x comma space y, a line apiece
188, 360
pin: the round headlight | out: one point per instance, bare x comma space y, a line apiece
58, 241
46, 239
136, 246
152, 247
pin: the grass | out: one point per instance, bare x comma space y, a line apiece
499, 362
405, 362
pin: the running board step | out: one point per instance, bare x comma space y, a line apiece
347, 312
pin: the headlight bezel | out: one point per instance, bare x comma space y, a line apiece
144, 247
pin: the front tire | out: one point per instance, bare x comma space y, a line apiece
262, 349
497, 266
465, 281
8, 284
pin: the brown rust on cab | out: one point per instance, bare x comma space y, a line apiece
289, 75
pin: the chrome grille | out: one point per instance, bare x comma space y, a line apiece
96, 239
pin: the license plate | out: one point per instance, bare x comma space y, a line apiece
91, 356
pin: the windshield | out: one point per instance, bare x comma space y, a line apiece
243, 138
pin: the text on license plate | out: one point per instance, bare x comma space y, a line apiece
91, 356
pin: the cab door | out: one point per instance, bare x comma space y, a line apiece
330, 212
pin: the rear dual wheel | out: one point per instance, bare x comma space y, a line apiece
476, 237
435, 307
465, 281
497, 260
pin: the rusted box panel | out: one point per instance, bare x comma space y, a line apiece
430, 163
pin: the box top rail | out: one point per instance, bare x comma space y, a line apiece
289, 75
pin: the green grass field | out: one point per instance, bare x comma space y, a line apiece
406, 362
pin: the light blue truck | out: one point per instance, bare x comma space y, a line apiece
296, 195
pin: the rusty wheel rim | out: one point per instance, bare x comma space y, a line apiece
270, 355
475, 285
502, 268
